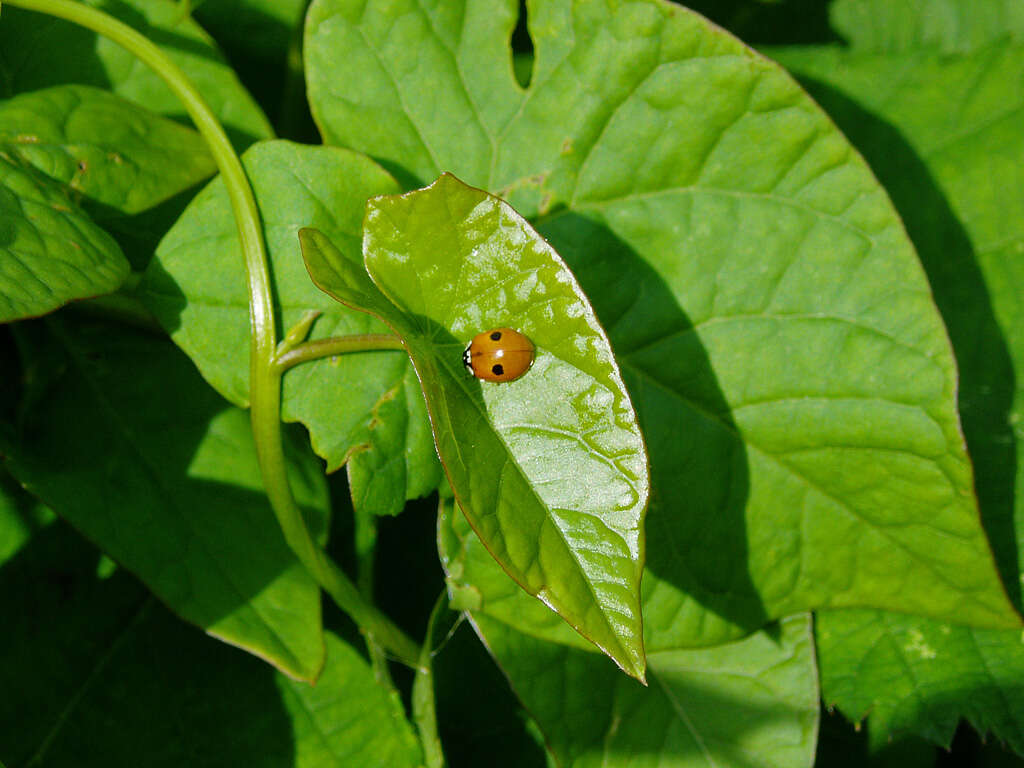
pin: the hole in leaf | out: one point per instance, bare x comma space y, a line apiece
522, 48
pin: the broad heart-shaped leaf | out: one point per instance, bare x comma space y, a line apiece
196, 287
37, 51
550, 469
946, 137
132, 448
103, 147
917, 676
106, 677
789, 368
50, 250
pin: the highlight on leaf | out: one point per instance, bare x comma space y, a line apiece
550, 469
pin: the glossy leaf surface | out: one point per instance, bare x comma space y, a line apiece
778, 336
550, 469
50, 250
104, 148
175, 494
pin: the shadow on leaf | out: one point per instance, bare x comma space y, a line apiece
987, 381
131, 447
696, 529
92, 659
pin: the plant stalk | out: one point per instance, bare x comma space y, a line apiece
265, 374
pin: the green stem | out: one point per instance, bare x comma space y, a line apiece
265, 374
424, 712
336, 345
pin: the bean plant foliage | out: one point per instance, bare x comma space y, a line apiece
768, 456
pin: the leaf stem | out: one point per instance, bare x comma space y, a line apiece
265, 374
424, 712
336, 345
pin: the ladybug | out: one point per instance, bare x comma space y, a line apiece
501, 354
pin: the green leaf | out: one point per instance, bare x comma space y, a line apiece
261, 28
397, 462
550, 469
942, 25
61, 622
747, 704
750, 703
921, 677
20, 516
50, 250
173, 493
347, 718
791, 374
103, 147
946, 137
93, 658
196, 287
37, 51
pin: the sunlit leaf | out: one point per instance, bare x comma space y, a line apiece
550, 468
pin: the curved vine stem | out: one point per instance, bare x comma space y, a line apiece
265, 372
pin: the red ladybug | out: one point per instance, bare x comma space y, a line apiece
501, 354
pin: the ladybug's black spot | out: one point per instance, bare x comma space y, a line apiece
496, 335
498, 370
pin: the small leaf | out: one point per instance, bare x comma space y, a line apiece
196, 287
348, 718
133, 449
50, 250
550, 469
921, 677
103, 147
20, 516
397, 462
37, 51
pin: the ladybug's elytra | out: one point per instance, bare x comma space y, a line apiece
501, 354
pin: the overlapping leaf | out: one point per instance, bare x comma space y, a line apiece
133, 448
791, 374
922, 677
196, 286
750, 703
92, 658
105, 148
50, 250
942, 25
37, 51
397, 462
550, 469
